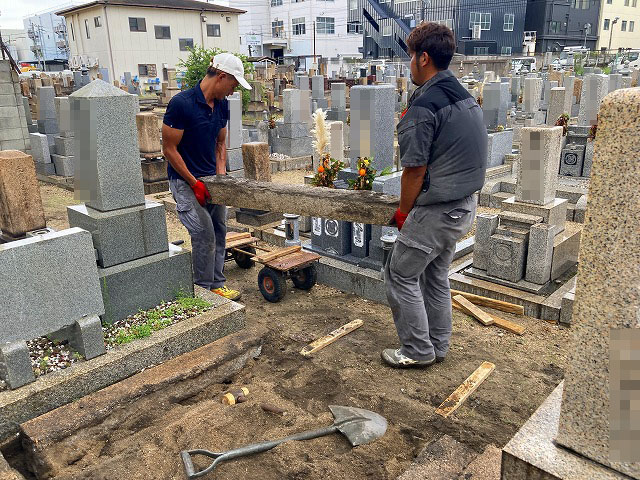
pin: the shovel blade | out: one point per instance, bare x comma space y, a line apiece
358, 425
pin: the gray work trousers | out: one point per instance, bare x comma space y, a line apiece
417, 276
207, 227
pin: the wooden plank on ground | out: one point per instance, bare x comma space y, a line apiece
470, 309
322, 342
469, 386
269, 256
293, 260
361, 206
497, 321
232, 236
490, 302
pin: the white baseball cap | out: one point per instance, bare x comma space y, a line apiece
229, 63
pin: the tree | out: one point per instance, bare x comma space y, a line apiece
197, 63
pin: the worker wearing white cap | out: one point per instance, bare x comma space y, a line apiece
193, 141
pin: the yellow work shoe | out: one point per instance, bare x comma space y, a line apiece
226, 292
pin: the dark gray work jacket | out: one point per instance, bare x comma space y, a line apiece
443, 129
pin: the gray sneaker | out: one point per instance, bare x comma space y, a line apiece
396, 359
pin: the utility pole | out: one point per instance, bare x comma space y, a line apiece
314, 41
615, 20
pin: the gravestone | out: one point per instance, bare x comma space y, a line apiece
137, 268
64, 158
531, 99
495, 101
615, 81
572, 160
587, 427
234, 134
317, 92
21, 208
35, 302
47, 120
293, 137
556, 105
336, 147
257, 167
594, 89
569, 97
338, 110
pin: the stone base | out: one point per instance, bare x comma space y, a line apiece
156, 187
145, 283
256, 218
45, 168
63, 165
553, 213
532, 454
293, 147
154, 170
520, 285
236, 173
123, 235
337, 115
234, 159
64, 145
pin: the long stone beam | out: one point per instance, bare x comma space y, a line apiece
349, 205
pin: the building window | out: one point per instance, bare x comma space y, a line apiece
632, 24
137, 24
185, 44
609, 2
353, 4
505, 50
482, 19
163, 32
555, 27
297, 1
298, 25
86, 28
277, 28
606, 24
147, 70
386, 30
97, 21
354, 27
623, 26
326, 25
143, 71
581, 4
213, 30
481, 50
509, 19
276, 3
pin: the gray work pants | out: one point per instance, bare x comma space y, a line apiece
207, 227
417, 276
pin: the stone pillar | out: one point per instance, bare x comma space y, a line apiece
338, 110
20, 203
495, 100
234, 135
531, 96
538, 174
148, 126
595, 419
293, 138
257, 165
568, 94
594, 89
336, 148
556, 105
317, 91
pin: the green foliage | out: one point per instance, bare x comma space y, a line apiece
197, 63
366, 175
386, 171
327, 172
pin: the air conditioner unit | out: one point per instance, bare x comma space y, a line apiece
476, 32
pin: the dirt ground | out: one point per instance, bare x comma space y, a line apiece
145, 441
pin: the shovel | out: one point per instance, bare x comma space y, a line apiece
358, 425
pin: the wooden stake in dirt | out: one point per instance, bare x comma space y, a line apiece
469, 386
470, 309
490, 302
332, 337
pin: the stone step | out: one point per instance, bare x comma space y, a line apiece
519, 218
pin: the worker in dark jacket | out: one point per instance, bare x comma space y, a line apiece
443, 150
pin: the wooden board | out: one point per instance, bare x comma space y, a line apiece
497, 321
269, 256
470, 309
490, 302
469, 386
231, 236
361, 206
322, 342
292, 261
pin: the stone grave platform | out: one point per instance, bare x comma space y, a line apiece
62, 387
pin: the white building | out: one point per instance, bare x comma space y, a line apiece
144, 37
47, 39
285, 28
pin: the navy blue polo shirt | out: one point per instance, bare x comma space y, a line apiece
189, 111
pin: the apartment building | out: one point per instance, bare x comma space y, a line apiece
619, 24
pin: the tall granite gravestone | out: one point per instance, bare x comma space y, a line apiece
63, 159
48, 282
317, 92
526, 246
293, 138
234, 136
495, 101
531, 99
20, 203
138, 269
594, 89
588, 426
556, 105
338, 110
14, 133
47, 120
569, 97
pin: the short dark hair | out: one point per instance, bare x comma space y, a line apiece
212, 72
435, 39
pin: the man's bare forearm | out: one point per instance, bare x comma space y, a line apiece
221, 157
177, 162
412, 180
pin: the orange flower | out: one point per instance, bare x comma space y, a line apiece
320, 169
362, 172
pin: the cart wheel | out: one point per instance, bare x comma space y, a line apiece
242, 259
305, 278
272, 284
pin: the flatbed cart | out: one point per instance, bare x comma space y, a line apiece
280, 264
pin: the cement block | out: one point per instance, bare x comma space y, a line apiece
148, 126
40, 148
15, 364
553, 213
63, 113
234, 159
566, 308
540, 253
64, 165
108, 174
486, 225
255, 157
87, 337
565, 251
46, 168
154, 170
506, 257
64, 145
57, 284
48, 126
145, 283
123, 235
